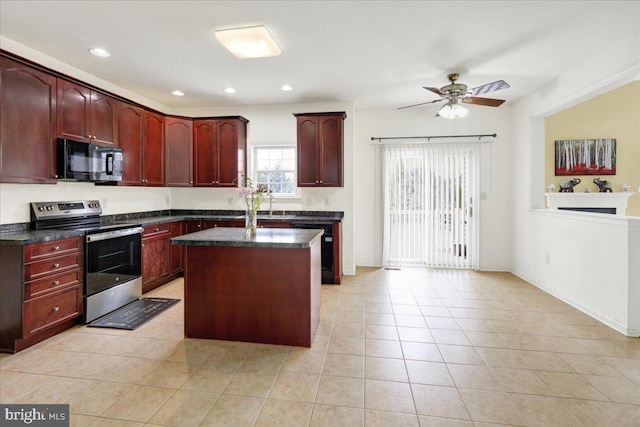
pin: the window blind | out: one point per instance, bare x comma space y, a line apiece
429, 191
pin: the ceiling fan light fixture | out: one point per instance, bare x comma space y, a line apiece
249, 42
453, 110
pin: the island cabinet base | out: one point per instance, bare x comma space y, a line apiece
253, 294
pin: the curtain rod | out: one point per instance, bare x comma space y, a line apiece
429, 138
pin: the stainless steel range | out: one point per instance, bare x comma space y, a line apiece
113, 253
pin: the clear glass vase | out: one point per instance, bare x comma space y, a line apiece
250, 223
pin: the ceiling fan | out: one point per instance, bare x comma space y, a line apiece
457, 94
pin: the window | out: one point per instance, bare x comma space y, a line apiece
275, 166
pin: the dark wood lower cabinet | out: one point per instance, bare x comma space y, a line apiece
161, 261
156, 255
41, 290
176, 250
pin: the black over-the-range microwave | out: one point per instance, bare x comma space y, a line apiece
81, 161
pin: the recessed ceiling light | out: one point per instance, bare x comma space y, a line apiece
177, 93
99, 52
250, 42
230, 90
286, 88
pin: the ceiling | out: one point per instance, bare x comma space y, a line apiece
378, 54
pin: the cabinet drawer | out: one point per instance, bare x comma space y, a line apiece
40, 313
152, 230
52, 283
39, 269
56, 248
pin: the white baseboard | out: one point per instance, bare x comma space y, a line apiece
623, 329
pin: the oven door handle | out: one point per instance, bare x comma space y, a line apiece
113, 234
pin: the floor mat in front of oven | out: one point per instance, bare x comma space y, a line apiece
134, 314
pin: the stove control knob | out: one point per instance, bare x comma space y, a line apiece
40, 208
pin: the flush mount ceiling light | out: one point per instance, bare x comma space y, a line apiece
102, 53
250, 42
286, 88
229, 90
453, 109
177, 93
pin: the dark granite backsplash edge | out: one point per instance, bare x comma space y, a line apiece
213, 212
26, 226
14, 228
133, 215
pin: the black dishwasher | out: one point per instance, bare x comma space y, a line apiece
326, 248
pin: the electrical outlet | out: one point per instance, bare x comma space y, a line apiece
168, 200
230, 201
547, 258
326, 201
483, 196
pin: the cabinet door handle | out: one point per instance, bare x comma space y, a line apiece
56, 265
56, 248
156, 229
56, 308
56, 282
320, 182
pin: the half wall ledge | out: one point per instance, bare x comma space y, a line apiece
590, 202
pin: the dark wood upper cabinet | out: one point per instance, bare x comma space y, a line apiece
73, 111
141, 136
86, 115
104, 119
27, 124
130, 134
179, 152
219, 151
203, 153
153, 150
320, 149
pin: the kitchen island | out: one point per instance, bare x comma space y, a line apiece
265, 289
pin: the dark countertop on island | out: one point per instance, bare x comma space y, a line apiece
297, 238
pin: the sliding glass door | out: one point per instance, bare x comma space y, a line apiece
429, 218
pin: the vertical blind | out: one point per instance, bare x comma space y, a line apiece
428, 213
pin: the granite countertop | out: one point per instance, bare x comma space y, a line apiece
19, 234
298, 238
37, 236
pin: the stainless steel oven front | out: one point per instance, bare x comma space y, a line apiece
113, 265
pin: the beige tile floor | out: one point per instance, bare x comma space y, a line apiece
394, 348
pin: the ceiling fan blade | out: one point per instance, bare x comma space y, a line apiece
487, 102
422, 103
490, 87
435, 90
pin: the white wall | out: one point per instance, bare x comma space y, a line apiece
15, 198
532, 234
420, 121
